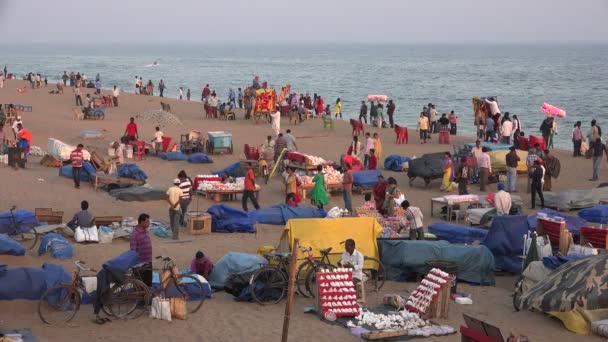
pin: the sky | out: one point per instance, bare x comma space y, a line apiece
309, 21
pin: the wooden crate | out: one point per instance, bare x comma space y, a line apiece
199, 223
49, 216
440, 307
558, 234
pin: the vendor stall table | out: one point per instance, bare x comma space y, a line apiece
219, 142
99, 180
228, 195
330, 187
442, 201
210, 178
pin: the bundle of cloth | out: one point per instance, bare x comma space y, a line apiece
131, 171
61, 151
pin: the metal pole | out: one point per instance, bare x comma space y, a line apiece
290, 288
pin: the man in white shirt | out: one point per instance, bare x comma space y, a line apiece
115, 94
485, 168
502, 201
369, 145
158, 140
507, 130
352, 258
15, 124
291, 141
493, 106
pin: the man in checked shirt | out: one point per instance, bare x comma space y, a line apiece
141, 243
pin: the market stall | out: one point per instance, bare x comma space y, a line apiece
333, 181
218, 191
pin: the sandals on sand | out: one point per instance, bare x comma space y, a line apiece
101, 320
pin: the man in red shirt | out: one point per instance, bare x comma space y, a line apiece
76, 157
250, 188
131, 131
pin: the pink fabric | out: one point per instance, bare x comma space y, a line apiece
552, 110
380, 98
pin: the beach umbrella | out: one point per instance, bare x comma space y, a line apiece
582, 283
160, 117
552, 110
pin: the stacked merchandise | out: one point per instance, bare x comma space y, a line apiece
428, 290
337, 294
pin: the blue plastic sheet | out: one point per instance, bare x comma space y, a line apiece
30, 282
233, 170
506, 241
131, 171
227, 219
161, 232
553, 262
394, 161
200, 158
85, 173
8, 246
232, 263
490, 145
59, 247
573, 223
597, 214
193, 293
280, 214
173, 156
25, 219
366, 179
457, 234
123, 261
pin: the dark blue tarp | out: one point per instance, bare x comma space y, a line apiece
173, 156
226, 219
475, 263
232, 263
26, 219
85, 174
280, 214
8, 246
131, 171
199, 158
597, 214
124, 261
573, 223
457, 234
30, 282
553, 262
394, 161
191, 288
233, 170
366, 179
506, 241
59, 247
492, 146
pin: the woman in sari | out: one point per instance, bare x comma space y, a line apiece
318, 196
392, 197
446, 183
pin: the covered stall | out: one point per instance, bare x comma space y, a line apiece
505, 241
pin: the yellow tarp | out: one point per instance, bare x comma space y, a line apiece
324, 233
499, 161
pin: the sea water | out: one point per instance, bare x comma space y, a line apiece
572, 77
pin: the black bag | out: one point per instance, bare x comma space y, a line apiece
237, 282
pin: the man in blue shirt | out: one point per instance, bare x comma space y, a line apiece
489, 129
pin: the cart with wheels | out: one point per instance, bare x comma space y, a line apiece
219, 142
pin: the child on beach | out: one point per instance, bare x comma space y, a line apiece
369, 204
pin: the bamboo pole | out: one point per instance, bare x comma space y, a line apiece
290, 288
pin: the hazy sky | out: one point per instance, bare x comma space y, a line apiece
310, 21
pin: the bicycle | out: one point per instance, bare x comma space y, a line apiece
268, 285
176, 285
20, 231
63, 300
311, 265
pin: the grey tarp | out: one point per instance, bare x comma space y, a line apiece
139, 193
574, 199
475, 263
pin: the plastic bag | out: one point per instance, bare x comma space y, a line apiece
86, 234
106, 234
160, 309
178, 308
334, 212
160, 232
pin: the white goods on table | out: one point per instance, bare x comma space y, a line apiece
61, 151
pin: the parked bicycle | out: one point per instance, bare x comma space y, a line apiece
311, 265
19, 230
60, 303
268, 285
176, 285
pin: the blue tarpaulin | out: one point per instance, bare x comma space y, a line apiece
573, 223
8, 246
394, 161
233, 170
131, 171
280, 214
123, 262
199, 158
232, 263
59, 247
366, 179
401, 257
506, 241
226, 219
553, 262
30, 282
597, 214
457, 234
85, 173
173, 156
26, 220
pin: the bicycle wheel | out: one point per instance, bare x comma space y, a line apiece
311, 278
301, 274
268, 285
374, 274
59, 304
26, 234
126, 300
189, 288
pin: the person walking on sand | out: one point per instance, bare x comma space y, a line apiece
390, 111
598, 149
240, 98
537, 185
76, 158
185, 184
318, 196
115, 94
249, 191
545, 129
462, 177
507, 130
181, 93
485, 168
158, 140
174, 195
552, 169
338, 108
577, 139
363, 112
423, 127
188, 94
78, 96
347, 186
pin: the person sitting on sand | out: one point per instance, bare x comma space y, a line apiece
226, 178
83, 218
201, 265
131, 133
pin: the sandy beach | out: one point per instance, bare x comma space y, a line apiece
221, 318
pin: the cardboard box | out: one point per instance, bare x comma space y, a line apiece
199, 223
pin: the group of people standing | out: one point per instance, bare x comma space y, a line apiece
429, 122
